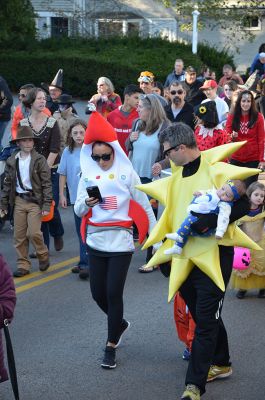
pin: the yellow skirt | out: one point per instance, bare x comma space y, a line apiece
254, 276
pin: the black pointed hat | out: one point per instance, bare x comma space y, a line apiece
56, 82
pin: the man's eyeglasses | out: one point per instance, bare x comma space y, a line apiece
173, 92
167, 152
21, 95
104, 157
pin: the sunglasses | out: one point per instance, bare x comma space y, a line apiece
21, 95
167, 152
173, 92
104, 157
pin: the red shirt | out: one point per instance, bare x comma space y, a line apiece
253, 150
122, 123
216, 137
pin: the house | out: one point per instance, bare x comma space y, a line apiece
95, 18
231, 37
146, 18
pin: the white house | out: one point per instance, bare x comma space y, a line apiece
146, 18
95, 18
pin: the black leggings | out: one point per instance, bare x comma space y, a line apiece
107, 279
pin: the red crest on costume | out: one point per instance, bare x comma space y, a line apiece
99, 129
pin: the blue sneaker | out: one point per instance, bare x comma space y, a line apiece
186, 354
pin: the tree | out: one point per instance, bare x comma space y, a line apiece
231, 15
17, 22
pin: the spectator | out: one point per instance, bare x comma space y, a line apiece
70, 172
65, 115
122, 118
247, 124
48, 132
229, 88
258, 65
7, 306
178, 74
208, 132
146, 82
105, 100
54, 91
229, 75
261, 50
191, 85
21, 111
179, 110
143, 145
260, 98
6, 101
158, 88
210, 89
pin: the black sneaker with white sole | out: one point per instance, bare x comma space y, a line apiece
125, 326
109, 360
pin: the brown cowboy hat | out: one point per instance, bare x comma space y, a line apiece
24, 132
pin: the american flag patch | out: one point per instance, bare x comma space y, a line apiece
109, 203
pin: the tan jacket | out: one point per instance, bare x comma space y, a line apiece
40, 177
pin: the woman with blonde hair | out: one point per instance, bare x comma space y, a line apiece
105, 100
145, 151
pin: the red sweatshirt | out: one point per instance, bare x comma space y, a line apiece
253, 150
122, 123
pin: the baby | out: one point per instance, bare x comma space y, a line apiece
217, 201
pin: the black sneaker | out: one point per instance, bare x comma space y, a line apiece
125, 327
261, 294
241, 294
109, 360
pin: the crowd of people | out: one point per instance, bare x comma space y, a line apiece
58, 160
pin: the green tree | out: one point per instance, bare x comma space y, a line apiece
231, 15
17, 22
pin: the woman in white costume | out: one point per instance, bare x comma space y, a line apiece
108, 222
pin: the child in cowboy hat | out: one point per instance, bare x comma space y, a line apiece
27, 187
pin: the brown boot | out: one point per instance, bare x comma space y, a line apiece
58, 243
44, 264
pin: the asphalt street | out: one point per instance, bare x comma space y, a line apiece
59, 335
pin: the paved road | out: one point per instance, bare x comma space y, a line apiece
59, 335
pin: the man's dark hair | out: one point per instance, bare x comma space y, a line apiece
27, 86
131, 89
178, 133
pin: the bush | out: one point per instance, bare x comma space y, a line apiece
84, 60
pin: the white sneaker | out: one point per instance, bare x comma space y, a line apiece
174, 236
173, 250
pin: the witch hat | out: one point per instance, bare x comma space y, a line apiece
56, 82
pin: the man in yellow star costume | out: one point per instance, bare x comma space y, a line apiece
203, 269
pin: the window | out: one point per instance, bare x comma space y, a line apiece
252, 23
59, 26
109, 28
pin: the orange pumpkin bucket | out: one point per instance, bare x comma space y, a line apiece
49, 217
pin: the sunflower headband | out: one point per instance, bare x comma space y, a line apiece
202, 109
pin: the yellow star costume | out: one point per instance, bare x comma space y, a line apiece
175, 193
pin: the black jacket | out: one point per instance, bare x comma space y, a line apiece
6, 101
194, 95
186, 114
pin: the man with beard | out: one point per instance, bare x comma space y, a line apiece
179, 110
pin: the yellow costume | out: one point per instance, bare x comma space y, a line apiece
254, 276
175, 193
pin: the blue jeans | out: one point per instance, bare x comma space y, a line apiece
55, 226
83, 262
3, 125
